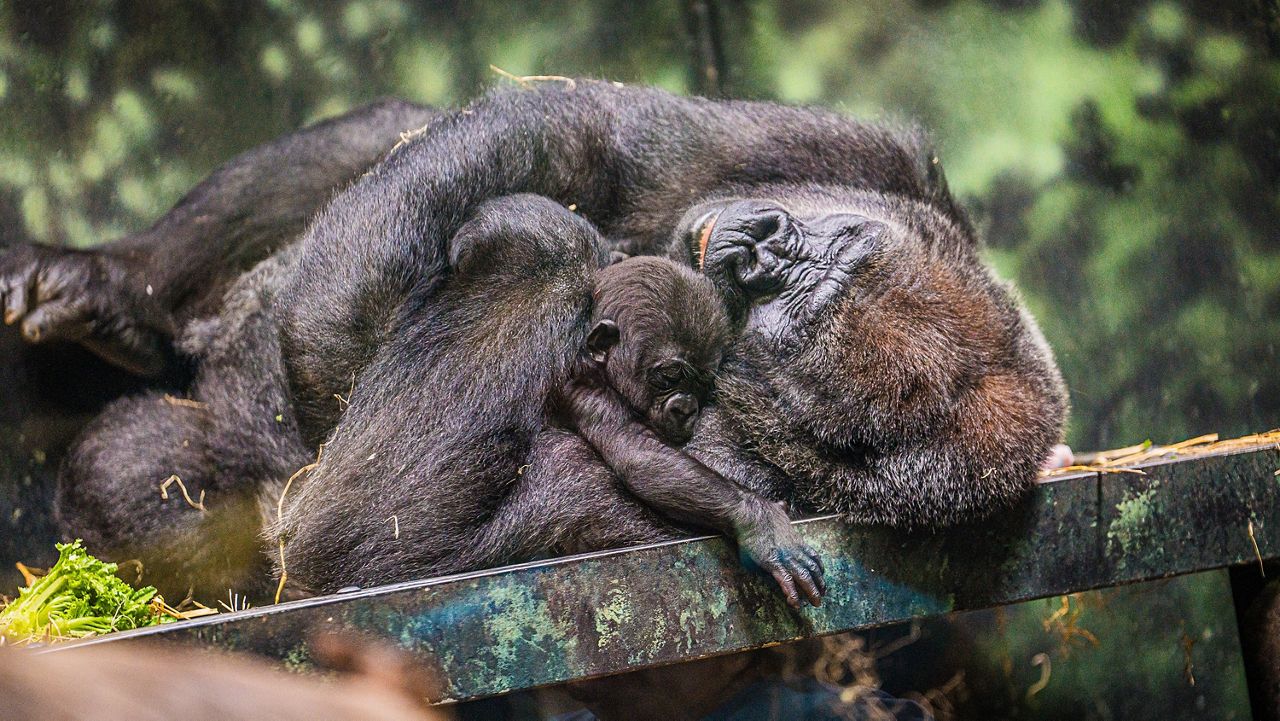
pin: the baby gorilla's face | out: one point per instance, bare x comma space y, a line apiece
670, 393
659, 332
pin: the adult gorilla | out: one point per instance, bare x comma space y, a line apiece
879, 372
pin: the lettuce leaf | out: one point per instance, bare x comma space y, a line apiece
80, 596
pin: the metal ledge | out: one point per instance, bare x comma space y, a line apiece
582, 616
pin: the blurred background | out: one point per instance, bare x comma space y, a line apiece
1120, 156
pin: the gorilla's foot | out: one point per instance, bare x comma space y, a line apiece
59, 294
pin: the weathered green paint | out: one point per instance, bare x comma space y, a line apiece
1131, 531
576, 617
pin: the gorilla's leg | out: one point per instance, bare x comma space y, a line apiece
112, 494
233, 437
447, 410
126, 299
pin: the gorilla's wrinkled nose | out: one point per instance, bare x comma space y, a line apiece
750, 243
757, 225
755, 250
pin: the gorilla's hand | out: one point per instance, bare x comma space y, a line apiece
48, 291
83, 297
769, 540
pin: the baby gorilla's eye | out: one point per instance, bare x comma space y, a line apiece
666, 376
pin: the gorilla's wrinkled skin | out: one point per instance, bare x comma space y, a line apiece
878, 371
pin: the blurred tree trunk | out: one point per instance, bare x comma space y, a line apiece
702, 22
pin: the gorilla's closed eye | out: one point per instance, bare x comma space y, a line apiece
665, 376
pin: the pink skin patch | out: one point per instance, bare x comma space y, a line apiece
704, 236
1060, 456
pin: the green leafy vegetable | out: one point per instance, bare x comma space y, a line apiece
80, 596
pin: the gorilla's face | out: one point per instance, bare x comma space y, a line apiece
782, 265
863, 318
660, 333
669, 390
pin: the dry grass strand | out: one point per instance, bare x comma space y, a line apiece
1122, 460
185, 402
527, 81
284, 573
174, 479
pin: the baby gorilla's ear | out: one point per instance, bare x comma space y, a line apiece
603, 337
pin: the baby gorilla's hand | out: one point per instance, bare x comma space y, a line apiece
771, 542
78, 296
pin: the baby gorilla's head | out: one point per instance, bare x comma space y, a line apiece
658, 331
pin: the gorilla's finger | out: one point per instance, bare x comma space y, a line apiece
813, 566
786, 582
60, 321
809, 585
15, 301
811, 560
815, 559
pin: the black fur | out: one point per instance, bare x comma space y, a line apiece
877, 370
125, 301
537, 262
230, 445
420, 463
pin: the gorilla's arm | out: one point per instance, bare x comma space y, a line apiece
124, 300
687, 492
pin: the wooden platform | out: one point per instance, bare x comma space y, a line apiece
582, 616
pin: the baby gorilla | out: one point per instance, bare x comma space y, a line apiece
655, 345
675, 329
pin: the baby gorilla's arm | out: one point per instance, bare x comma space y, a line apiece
681, 488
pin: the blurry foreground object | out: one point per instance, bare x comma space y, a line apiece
152, 683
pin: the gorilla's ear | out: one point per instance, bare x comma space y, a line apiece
603, 337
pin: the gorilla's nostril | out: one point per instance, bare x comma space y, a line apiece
763, 226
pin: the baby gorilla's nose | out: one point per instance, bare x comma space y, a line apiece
682, 409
